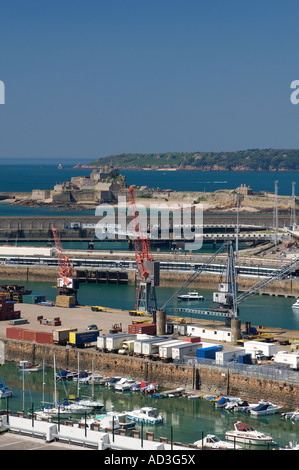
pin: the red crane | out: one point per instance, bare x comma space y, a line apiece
65, 270
141, 241
147, 267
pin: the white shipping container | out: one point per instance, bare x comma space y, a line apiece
181, 350
226, 356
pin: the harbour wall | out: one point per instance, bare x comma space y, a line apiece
205, 379
284, 287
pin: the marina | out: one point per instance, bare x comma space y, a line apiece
184, 420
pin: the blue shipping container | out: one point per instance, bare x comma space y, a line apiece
245, 359
208, 353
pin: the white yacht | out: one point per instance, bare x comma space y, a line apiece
296, 304
191, 296
125, 385
147, 415
213, 442
246, 434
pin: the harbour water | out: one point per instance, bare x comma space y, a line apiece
267, 311
186, 420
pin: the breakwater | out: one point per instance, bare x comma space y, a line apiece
206, 379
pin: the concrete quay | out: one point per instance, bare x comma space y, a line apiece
89, 439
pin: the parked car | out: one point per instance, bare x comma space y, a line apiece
91, 327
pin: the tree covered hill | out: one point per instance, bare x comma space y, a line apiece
251, 159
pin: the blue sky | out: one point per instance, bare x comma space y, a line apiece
86, 79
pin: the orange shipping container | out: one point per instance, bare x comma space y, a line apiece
14, 333
193, 339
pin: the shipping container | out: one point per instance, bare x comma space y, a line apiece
143, 328
193, 339
33, 299
81, 338
228, 356
44, 337
179, 351
208, 353
245, 359
14, 333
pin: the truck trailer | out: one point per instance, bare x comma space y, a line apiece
112, 341
268, 349
283, 357
165, 350
79, 339
115, 341
152, 347
140, 341
61, 335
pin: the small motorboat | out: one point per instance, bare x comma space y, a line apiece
292, 415
66, 375
83, 377
28, 367
190, 296
125, 385
113, 381
265, 409
5, 391
239, 406
95, 379
86, 403
213, 442
147, 415
296, 304
220, 403
246, 434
